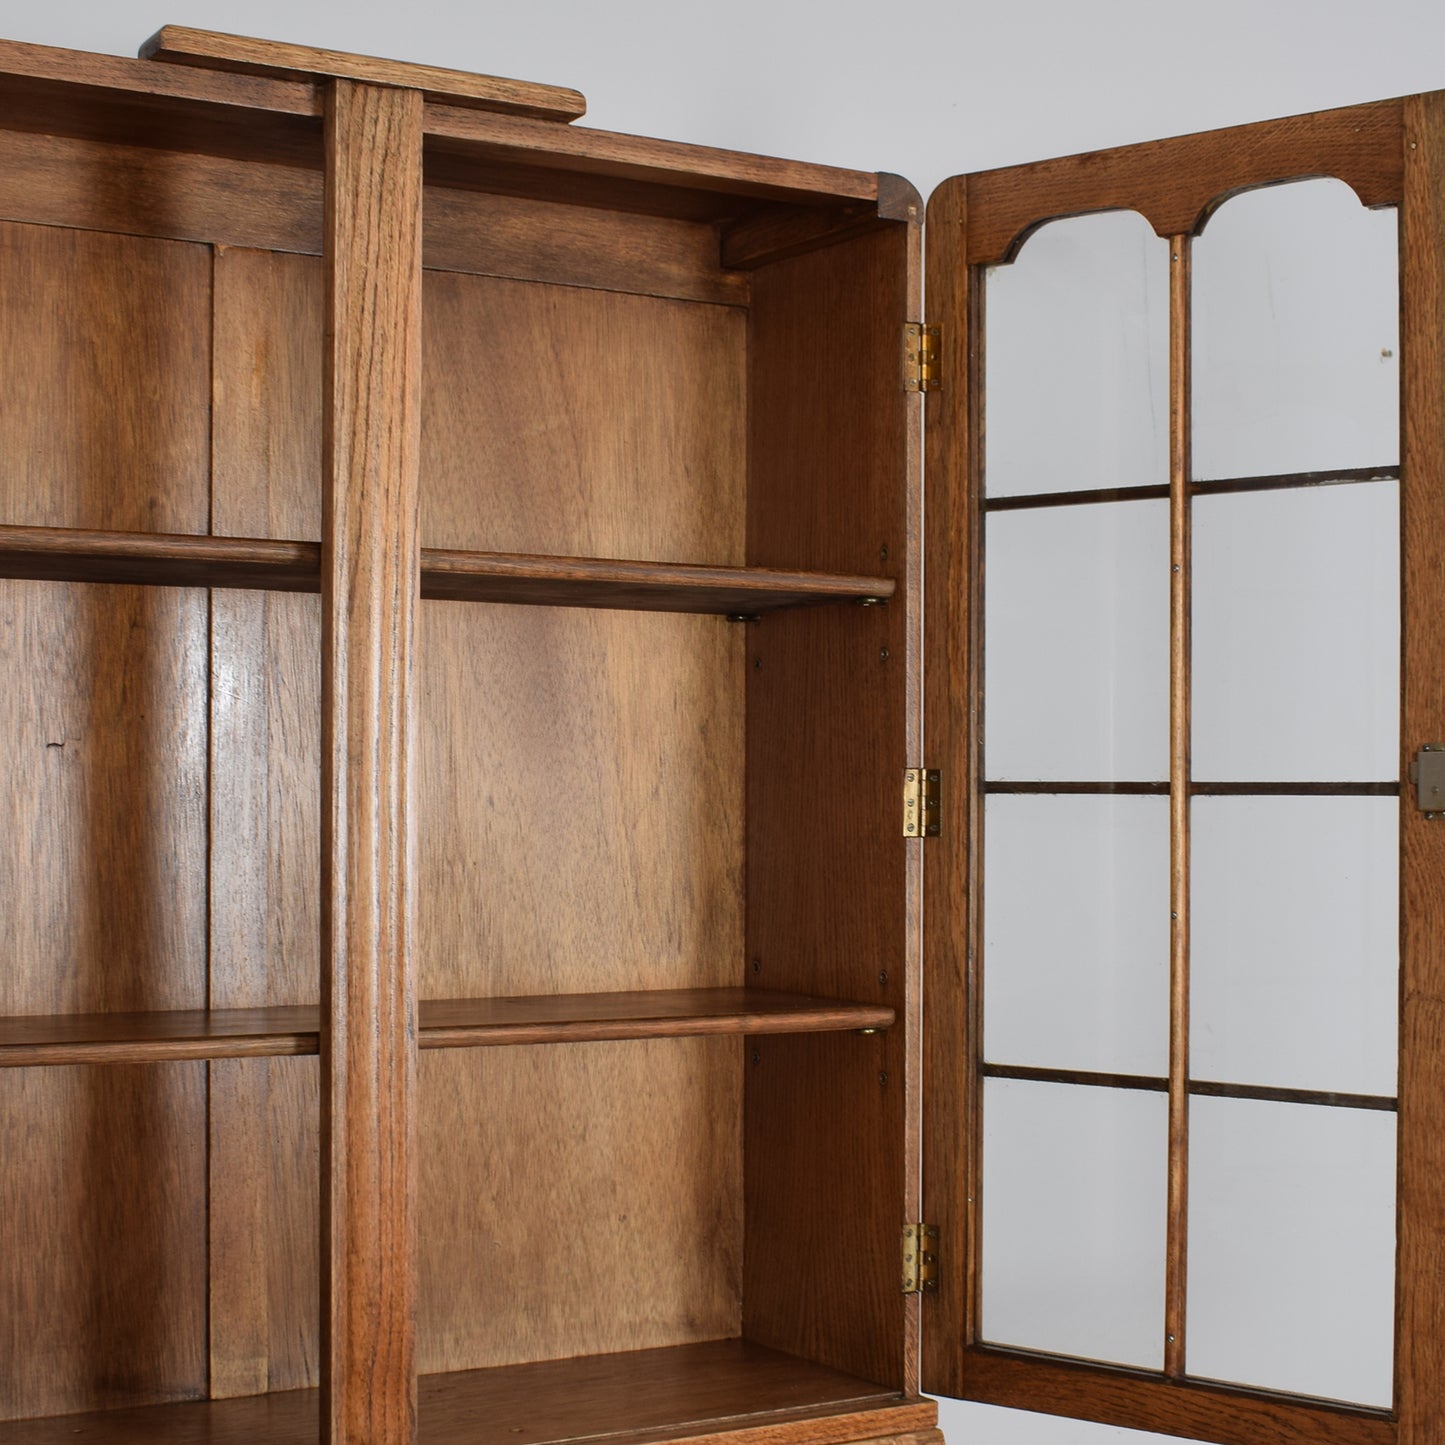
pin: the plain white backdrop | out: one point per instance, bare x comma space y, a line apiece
925, 90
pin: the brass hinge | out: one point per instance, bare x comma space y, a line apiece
922, 359
922, 801
920, 1258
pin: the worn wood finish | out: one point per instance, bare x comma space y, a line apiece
370, 581
1175, 184
244, 1033
211, 50
1420, 1266
951, 627
830, 731
71, 555
701, 1394
1176, 1284
104, 350
1139, 1401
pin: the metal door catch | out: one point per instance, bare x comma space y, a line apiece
1427, 773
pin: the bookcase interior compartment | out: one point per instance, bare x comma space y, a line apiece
662, 940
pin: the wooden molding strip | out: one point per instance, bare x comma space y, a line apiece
247, 1033
212, 50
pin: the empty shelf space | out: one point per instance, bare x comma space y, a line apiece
445, 1023
646, 1395
60, 554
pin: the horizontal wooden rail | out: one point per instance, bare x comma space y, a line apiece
170, 1036
61, 554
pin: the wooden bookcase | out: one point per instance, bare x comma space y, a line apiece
463, 603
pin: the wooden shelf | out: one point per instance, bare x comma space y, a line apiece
445, 1024
676, 1393
60, 554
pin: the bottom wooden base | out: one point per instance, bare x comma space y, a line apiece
724, 1390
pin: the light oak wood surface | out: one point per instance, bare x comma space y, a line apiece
183, 45
370, 581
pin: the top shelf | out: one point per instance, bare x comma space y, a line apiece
61, 554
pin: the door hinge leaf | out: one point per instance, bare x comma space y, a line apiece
920, 1258
922, 802
922, 358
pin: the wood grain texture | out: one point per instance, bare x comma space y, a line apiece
1138, 1401
144, 190
244, 1033
102, 1223
507, 471
619, 1164
469, 147
150, 191
952, 862
702, 1394
154, 559
265, 823
1176, 1283
370, 581
212, 50
1176, 183
103, 856
1420, 1265
830, 731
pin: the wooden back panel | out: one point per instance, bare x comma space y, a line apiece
104, 361
580, 801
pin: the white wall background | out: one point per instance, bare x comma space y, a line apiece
926, 90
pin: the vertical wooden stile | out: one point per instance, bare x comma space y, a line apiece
1176, 1271
370, 584
1420, 1287
953, 450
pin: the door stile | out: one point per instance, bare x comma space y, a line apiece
953, 450
1177, 1232
1420, 1203
370, 585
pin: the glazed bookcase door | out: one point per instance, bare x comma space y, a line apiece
1184, 1082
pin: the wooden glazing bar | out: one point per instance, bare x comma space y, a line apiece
1177, 1237
238, 1033
1420, 1201
1195, 789
370, 583
1158, 1084
151, 559
1067, 788
1276, 482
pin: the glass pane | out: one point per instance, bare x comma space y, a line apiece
1076, 933
1078, 335
1076, 620
1292, 1247
1296, 316
1297, 634
1073, 1220
1294, 946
